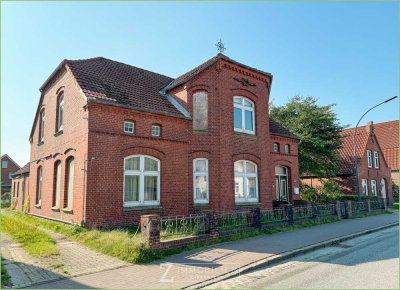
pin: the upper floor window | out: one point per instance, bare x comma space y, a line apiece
41, 126
10, 175
141, 180
369, 158
243, 115
129, 127
60, 112
4, 164
276, 147
155, 130
287, 148
364, 186
200, 180
200, 111
376, 159
246, 182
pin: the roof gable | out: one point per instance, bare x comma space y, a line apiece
5, 156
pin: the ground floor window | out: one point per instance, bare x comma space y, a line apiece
364, 183
69, 184
373, 188
39, 185
246, 181
200, 180
281, 183
141, 180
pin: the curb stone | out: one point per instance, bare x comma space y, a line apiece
283, 256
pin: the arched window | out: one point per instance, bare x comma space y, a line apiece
69, 184
41, 126
200, 180
243, 115
60, 112
281, 183
57, 185
246, 181
39, 184
141, 180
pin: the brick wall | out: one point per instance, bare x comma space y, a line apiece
5, 174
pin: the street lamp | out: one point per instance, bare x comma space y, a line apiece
354, 145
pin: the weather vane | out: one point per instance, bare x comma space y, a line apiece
220, 46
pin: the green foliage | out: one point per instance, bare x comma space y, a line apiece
35, 241
395, 190
319, 130
6, 200
328, 192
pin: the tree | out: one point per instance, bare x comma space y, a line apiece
319, 130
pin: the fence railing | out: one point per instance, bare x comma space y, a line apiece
176, 226
175, 231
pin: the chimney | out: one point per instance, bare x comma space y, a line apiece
370, 127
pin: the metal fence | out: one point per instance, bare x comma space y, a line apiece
234, 220
325, 209
358, 206
174, 227
273, 216
302, 212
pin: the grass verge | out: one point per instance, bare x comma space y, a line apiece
34, 240
5, 278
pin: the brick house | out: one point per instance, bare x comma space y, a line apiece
20, 186
111, 142
374, 172
387, 134
8, 167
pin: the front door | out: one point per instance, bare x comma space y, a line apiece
281, 183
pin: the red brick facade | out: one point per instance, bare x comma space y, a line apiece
8, 168
93, 134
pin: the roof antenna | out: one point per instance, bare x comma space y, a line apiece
220, 46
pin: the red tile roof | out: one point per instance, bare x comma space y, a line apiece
388, 138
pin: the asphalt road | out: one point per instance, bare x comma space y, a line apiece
370, 261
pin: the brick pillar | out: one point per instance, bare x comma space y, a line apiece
349, 212
289, 214
150, 227
256, 215
338, 210
213, 225
368, 205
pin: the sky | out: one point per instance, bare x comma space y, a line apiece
341, 53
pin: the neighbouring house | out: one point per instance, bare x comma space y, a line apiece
111, 142
387, 134
20, 186
374, 172
8, 167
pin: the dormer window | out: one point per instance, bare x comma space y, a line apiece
243, 115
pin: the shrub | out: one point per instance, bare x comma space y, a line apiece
6, 200
308, 193
328, 192
395, 190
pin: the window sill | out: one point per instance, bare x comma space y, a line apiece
38, 205
141, 208
251, 135
68, 210
58, 133
40, 143
204, 204
57, 209
200, 132
247, 203
129, 133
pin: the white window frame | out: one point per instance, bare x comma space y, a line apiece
39, 186
374, 190
158, 128
287, 148
369, 158
141, 173
10, 175
364, 184
245, 176
376, 159
196, 174
129, 123
276, 147
4, 164
60, 113
243, 109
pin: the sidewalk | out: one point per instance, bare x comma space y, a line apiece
190, 268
